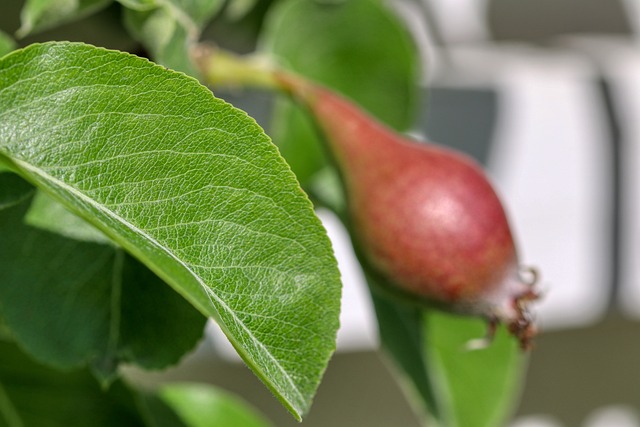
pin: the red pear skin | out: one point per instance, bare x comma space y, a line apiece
425, 216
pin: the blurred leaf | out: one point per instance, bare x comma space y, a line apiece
39, 15
13, 190
238, 9
34, 395
7, 44
69, 303
139, 4
448, 385
401, 334
476, 388
169, 29
167, 40
198, 11
357, 47
199, 405
47, 214
192, 187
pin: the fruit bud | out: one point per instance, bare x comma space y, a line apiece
425, 216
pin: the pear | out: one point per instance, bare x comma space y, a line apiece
425, 217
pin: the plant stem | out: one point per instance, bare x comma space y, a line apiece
219, 67
223, 68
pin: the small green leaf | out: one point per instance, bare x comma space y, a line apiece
70, 303
448, 385
47, 214
7, 44
155, 326
359, 48
401, 335
200, 405
199, 12
34, 395
476, 388
39, 15
170, 28
140, 5
167, 40
190, 186
13, 190
238, 9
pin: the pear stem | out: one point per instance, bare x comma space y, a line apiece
223, 68
219, 67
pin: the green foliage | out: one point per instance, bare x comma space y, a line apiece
34, 395
190, 186
237, 9
204, 406
69, 302
13, 190
358, 48
170, 27
476, 388
39, 15
47, 214
6, 44
448, 384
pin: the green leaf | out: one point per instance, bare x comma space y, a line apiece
169, 29
199, 12
238, 9
39, 15
476, 388
190, 186
400, 330
447, 384
139, 4
200, 405
34, 395
7, 44
47, 214
167, 40
359, 48
96, 304
13, 190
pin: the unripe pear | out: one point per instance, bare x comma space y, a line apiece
425, 216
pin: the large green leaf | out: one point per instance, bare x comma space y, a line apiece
449, 385
190, 186
69, 302
39, 15
357, 47
170, 28
35, 395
